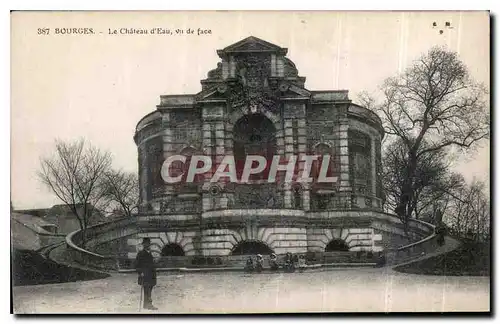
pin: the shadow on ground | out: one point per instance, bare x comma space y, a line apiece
31, 268
469, 259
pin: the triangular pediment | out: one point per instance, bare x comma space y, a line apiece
252, 44
299, 91
218, 92
293, 91
211, 94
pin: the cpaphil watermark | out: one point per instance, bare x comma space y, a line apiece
198, 168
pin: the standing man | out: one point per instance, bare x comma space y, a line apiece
145, 267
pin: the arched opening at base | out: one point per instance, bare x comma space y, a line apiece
336, 245
172, 249
251, 247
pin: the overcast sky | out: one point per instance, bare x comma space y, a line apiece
99, 86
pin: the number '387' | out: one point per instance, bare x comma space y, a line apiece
43, 31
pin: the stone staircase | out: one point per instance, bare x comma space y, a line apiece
77, 256
449, 245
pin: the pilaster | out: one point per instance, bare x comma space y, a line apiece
373, 164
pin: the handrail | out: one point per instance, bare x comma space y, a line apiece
69, 241
422, 240
415, 249
86, 257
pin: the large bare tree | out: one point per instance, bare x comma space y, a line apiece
433, 105
433, 181
74, 173
122, 192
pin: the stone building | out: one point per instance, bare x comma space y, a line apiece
63, 218
255, 102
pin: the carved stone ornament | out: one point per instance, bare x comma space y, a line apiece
252, 88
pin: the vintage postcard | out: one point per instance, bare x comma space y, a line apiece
242, 162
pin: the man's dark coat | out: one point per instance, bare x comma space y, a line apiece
144, 264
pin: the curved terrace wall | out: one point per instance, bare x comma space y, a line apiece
99, 234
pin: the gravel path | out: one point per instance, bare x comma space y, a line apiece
338, 290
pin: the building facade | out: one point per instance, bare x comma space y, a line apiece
255, 102
63, 218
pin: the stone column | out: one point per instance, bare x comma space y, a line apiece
344, 156
373, 158
288, 141
167, 135
219, 155
143, 172
306, 198
232, 67
219, 140
343, 137
225, 69
280, 143
207, 150
213, 146
168, 139
228, 138
280, 67
228, 148
300, 141
273, 65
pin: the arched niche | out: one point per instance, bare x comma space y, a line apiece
251, 247
253, 134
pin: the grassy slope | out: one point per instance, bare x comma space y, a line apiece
470, 259
30, 268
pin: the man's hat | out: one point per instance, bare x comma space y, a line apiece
146, 241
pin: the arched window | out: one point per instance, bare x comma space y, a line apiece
172, 249
253, 135
251, 247
336, 245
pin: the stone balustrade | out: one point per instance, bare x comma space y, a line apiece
128, 226
365, 113
94, 235
148, 119
165, 218
239, 213
416, 249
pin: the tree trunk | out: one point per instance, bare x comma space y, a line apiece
405, 208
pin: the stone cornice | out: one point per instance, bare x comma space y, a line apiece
251, 45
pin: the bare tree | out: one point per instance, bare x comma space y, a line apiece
122, 192
433, 105
434, 201
367, 100
469, 212
74, 174
432, 185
